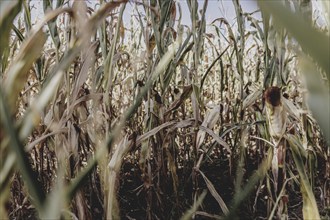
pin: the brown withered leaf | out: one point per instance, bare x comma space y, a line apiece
176, 104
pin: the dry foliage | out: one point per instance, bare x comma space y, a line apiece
158, 120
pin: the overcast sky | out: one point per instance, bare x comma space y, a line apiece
215, 9
219, 8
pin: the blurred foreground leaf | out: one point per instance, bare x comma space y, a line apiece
8, 12
318, 98
310, 210
16, 146
18, 72
313, 42
190, 213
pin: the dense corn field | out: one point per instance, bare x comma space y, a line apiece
122, 110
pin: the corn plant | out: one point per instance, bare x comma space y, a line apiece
117, 109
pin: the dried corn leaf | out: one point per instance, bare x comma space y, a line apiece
114, 168
291, 108
215, 194
153, 131
252, 98
210, 120
216, 137
178, 102
32, 117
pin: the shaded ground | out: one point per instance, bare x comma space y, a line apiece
134, 195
